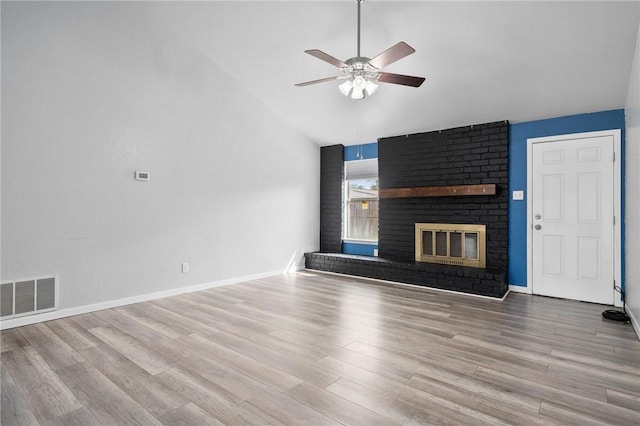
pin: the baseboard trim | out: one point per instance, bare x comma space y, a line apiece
63, 313
422, 287
518, 289
634, 322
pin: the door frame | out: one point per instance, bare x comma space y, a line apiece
617, 200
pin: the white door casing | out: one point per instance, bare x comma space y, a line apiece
573, 196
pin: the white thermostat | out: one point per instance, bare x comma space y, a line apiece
144, 176
518, 195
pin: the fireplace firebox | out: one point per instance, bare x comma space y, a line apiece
451, 244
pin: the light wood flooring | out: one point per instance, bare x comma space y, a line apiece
318, 349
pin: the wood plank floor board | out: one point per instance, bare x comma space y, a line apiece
152, 362
246, 365
384, 356
336, 407
189, 415
202, 386
374, 323
303, 370
88, 321
611, 362
57, 354
44, 392
322, 343
287, 410
174, 317
123, 324
388, 369
555, 341
471, 384
460, 351
362, 376
252, 416
313, 315
432, 409
39, 334
584, 378
621, 399
300, 352
377, 402
581, 405
312, 348
412, 360
206, 393
11, 339
14, 408
627, 350
80, 417
487, 408
233, 384
140, 315
233, 317
274, 316
73, 334
569, 416
105, 400
142, 387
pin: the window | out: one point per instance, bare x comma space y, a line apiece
361, 200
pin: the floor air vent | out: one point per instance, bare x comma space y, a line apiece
28, 296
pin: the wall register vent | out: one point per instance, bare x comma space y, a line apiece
28, 296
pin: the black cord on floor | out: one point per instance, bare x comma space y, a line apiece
618, 316
614, 315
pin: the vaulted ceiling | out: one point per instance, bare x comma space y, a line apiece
484, 61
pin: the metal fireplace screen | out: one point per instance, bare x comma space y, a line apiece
451, 244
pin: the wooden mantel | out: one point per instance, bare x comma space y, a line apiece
439, 191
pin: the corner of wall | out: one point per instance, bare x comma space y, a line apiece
632, 177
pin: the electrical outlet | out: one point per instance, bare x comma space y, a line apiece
185, 267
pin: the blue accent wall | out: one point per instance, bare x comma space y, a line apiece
358, 248
361, 152
351, 153
518, 135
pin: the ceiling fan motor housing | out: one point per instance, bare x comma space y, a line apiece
359, 66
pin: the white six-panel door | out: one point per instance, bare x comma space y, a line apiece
572, 198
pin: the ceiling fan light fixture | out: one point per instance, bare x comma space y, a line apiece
357, 93
357, 87
346, 87
359, 84
370, 87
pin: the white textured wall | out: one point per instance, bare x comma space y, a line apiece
92, 92
632, 224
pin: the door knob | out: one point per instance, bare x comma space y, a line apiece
538, 227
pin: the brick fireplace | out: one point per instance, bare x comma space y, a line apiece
454, 176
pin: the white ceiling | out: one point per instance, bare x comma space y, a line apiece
484, 61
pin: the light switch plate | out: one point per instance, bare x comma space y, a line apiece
518, 195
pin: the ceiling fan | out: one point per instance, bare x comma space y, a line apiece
361, 73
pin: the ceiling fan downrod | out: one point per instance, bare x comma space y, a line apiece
359, 3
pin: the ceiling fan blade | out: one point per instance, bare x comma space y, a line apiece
326, 57
322, 80
392, 54
405, 80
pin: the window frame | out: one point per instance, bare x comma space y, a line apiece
363, 170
